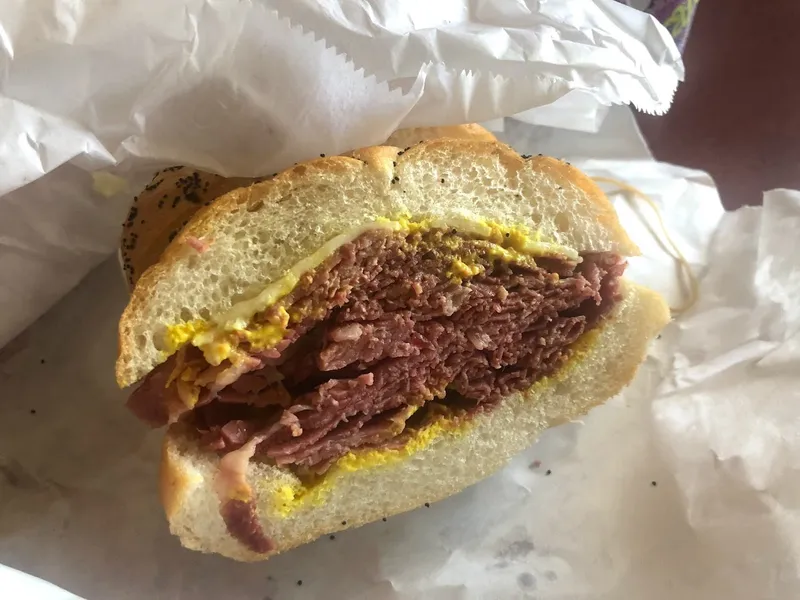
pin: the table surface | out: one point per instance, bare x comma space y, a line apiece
737, 115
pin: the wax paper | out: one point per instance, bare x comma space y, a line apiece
96, 95
682, 487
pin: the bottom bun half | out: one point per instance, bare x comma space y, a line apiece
291, 514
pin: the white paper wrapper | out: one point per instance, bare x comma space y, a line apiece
683, 487
726, 422
21, 585
245, 87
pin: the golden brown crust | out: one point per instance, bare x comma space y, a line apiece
403, 138
174, 482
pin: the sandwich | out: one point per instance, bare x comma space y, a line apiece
360, 335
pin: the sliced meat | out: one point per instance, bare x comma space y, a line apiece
363, 431
380, 327
156, 403
252, 383
237, 504
603, 271
236, 432
241, 519
197, 244
495, 334
273, 395
219, 377
363, 344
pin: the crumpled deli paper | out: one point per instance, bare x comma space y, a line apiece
682, 487
15, 584
246, 87
727, 420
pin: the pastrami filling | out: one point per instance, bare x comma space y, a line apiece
389, 330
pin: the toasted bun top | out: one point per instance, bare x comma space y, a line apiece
255, 234
176, 193
403, 138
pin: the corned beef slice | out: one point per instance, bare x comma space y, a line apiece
385, 323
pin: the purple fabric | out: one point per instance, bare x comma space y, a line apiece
675, 15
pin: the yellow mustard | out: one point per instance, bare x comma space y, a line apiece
289, 498
218, 338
